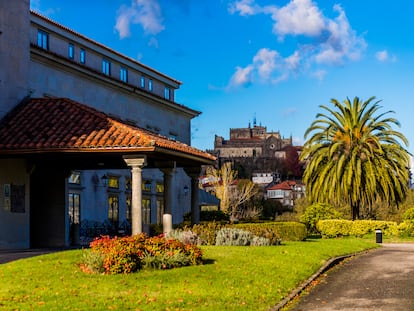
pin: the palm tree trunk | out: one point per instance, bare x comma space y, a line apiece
355, 211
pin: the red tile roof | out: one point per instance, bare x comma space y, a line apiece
51, 124
285, 185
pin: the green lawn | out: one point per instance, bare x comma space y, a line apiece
233, 278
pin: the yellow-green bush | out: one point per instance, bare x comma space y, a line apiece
285, 231
338, 227
274, 231
409, 214
331, 228
406, 229
316, 212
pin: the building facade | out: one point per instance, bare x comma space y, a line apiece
251, 142
46, 63
286, 192
259, 155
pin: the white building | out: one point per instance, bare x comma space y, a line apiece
286, 192
76, 118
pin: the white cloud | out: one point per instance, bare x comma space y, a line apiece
153, 42
299, 17
243, 7
146, 13
319, 74
293, 61
324, 41
267, 67
242, 76
342, 43
384, 56
49, 12
265, 62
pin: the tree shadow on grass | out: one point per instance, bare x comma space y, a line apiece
209, 261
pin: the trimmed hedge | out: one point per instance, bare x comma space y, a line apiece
276, 231
339, 227
273, 231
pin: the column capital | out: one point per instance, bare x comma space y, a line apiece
135, 161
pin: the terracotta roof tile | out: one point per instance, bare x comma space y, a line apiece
285, 185
47, 124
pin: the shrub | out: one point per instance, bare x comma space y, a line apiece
263, 230
260, 241
233, 237
93, 262
130, 254
277, 231
334, 227
406, 229
339, 227
185, 236
409, 214
316, 212
164, 261
206, 232
274, 231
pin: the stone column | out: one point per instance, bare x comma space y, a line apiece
194, 174
168, 198
136, 164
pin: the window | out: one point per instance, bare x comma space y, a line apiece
173, 136
74, 208
82, 55
128, 184
128, 208
143, 82
150, 85
160, 210
113, 210
167, 93
146, 186
160, 187
106, 67
123, 74
113, 182
75, 178
71, 51
42, 39
146, 211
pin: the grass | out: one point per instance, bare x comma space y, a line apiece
233, 278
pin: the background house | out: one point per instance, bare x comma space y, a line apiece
286, 192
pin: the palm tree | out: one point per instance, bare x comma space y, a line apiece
355, 156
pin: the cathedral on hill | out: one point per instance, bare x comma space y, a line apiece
257, 153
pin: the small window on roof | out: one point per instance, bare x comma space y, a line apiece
82, 56
123, 74
42, 39
71, 51
106, 67
167, 93
150, 85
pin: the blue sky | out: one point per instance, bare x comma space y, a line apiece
272, 60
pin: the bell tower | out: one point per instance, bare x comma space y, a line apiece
14, 53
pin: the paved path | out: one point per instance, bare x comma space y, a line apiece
380, 280
10, 255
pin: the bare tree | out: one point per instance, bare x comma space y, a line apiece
232, 193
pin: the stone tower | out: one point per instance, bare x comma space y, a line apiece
14, 53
